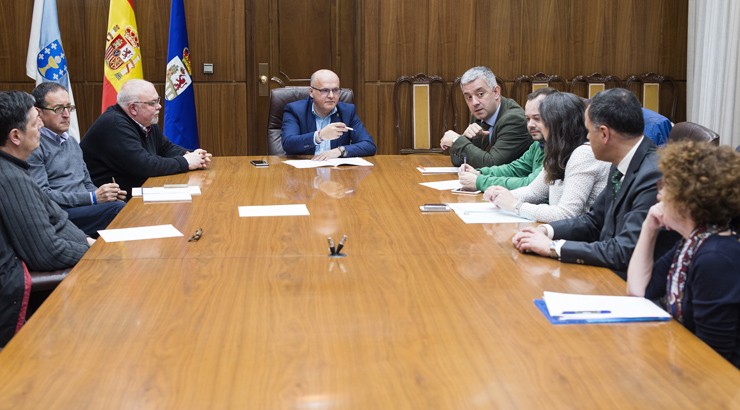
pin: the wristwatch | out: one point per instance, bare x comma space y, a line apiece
554, 250
342, 151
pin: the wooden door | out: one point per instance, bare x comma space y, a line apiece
289, 40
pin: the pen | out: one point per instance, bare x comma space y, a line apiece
331, 246
587, 312
113, 179
465, 160
341, 243
349, 128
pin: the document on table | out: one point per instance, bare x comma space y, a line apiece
570, 308
443, 185
437, 170
142, 232
484, 213
334, 162
189, 189
273, 210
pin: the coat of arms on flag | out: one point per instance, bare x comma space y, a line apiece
52, 64
178, 76
123, 49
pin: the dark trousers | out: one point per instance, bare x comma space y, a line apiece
92, 218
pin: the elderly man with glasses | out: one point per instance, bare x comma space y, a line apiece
59, 170
322, 126
126, 145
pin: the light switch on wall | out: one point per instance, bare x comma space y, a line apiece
207, 68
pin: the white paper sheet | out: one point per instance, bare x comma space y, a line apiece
142, 232
167, 197
273, 210
437, 170
443, 185
334, 162
484, 213
191, 189
601, 307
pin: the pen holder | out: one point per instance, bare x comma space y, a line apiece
337, 255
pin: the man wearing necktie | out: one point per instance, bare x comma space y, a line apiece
498, 133
606, 236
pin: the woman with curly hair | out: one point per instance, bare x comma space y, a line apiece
698, 281
571, 177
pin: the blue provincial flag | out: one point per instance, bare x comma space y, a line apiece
180, 123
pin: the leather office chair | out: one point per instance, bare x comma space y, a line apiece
587, 86
279, 97
691, 131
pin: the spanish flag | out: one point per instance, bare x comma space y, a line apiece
122, 52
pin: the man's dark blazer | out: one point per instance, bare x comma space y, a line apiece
299, 125
607, 234
510, 139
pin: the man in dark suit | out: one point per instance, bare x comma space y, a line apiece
322, 126
498, 133
607, 234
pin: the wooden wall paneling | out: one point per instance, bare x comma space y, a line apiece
546, 38
15, 22
89, 48
499, 39
386, 141
225, 117
217, 36
592, 37
452, 38
348, 40
257, 42
305, 40
404, 33
368, 112
370, 29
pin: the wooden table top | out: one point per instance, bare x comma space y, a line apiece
424, 312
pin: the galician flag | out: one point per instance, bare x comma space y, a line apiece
180, 124
46, 60
122, 53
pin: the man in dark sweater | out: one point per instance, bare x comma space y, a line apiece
33, 229
126, 143
59, 170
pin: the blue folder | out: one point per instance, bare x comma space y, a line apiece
559, 320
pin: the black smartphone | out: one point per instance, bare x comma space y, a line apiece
259, 163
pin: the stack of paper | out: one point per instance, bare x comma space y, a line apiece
437, 170
166, 194
139, 233
443, 185
562, 308
334, 162
484, 213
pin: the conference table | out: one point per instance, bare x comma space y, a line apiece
423, 312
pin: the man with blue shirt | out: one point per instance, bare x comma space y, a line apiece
59, 170
322, 126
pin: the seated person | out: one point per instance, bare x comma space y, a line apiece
32, 227
698, 281
59, 170
323, 126
606, 235
497, 133
126, 144
657, 126
571, 178
522, 171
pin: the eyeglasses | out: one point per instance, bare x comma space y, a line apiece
151, 103
60, 108
325, 91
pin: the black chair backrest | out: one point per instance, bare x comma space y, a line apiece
691, 131
279, 97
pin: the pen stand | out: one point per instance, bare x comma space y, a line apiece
337, 255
